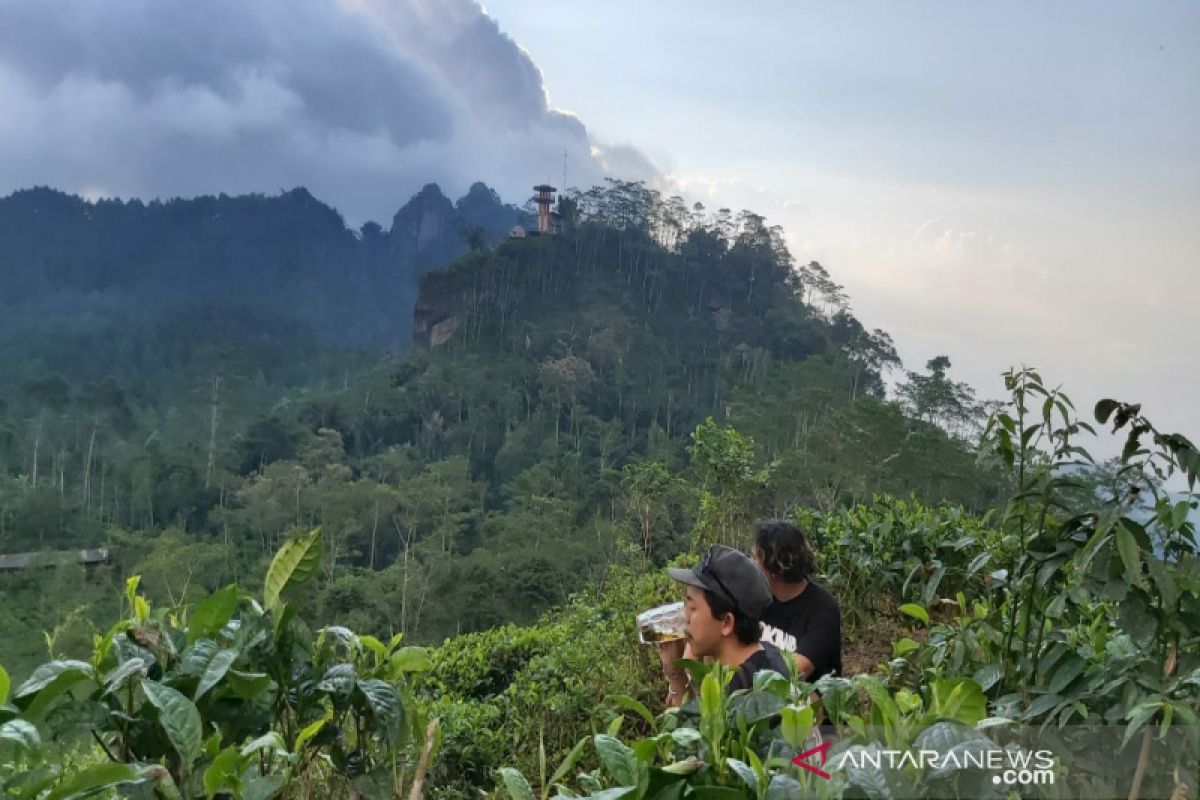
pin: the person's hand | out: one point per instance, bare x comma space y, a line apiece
669, 653
677, 677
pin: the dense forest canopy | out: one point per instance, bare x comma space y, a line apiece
442, 435
211, 374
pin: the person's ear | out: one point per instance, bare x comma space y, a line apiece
727, 624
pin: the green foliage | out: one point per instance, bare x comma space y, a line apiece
474, 479
733, 491
539, 442
903, 550
740, 745
1067, 607
509, 693
294, 564
246, 703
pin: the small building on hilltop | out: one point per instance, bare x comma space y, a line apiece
548, 222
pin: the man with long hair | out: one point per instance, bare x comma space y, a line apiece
804, 620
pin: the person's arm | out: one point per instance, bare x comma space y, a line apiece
804, 667
821, 644
678, 681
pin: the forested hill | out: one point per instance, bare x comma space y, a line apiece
552, 418
645, 317
254, 265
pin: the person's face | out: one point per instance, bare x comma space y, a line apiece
703, 630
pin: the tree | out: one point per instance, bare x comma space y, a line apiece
733, 491
815, 285
652, 494
936, 399
871, 355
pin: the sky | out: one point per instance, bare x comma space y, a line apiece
1002, 183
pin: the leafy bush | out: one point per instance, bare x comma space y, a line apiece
229, 696
505, 695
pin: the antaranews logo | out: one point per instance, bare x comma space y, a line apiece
1008, 767
821, 750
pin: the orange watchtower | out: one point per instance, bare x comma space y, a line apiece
545, 196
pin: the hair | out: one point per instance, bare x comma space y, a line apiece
785, 552
746, 628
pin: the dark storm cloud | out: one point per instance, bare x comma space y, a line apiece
361, 101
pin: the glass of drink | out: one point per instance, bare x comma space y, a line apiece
662, 624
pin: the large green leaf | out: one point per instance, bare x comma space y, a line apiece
1104, 410
514, 781
260, 787
859, 765
959, 699
1130, 556
1067, 671
338, 680
616, 793
221, 661
210, 614
271, 742
91, 780
627, 703
378, 784
1138, 716
386, 706
617, 758
663, 785
20, 732
1137, 619
944, 736
569, 762
223, 773
247, 685
4, 684
916, 612
178, 717
411, 659
796, 724
745, 773
784, 787
988, 675
47, 673
48, 682
309, 732
295, 563
717, 793
1041, 705
197, 657
119, 676
712, 716
753, 707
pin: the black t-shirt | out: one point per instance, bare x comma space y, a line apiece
767, 658
809, 624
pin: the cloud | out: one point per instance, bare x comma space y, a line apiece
362, 101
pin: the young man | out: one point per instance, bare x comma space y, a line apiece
804, 620
727, 596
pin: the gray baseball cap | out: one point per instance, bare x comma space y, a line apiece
731, 575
